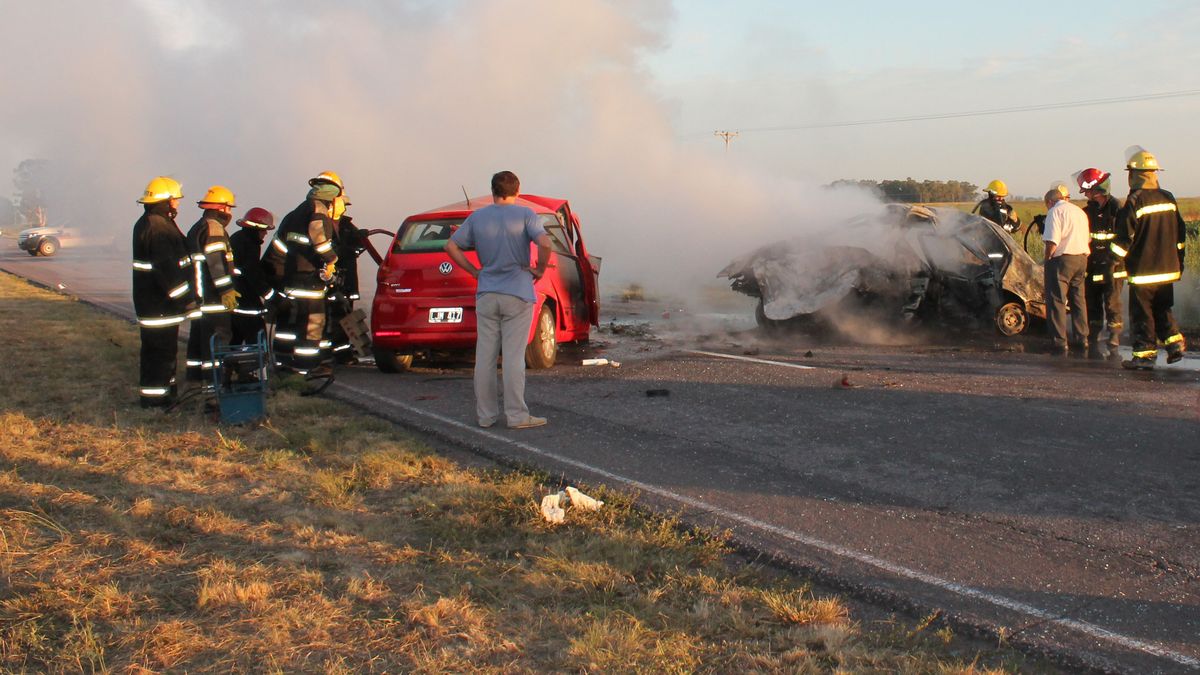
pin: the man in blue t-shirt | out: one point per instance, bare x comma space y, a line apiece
501, 234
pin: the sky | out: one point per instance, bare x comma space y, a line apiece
610, 103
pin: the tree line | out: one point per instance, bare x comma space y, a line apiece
915, 191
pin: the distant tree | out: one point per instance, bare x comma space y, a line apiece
32, 180
911, 191
8, 213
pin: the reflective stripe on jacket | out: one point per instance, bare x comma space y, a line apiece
1150, 235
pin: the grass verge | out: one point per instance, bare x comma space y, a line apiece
327, 541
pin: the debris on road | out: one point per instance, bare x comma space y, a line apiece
655, 393
600, 362
554, 506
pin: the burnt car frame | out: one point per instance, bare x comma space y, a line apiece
912, 262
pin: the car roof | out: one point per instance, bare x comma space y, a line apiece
465, 208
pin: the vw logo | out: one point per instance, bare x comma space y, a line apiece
445, 268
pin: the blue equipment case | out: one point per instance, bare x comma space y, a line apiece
240, 380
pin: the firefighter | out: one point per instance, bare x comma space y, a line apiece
212, 279
300, 263
994, 208
1105, 272
162, 290
249, 318
348, 244
1150, 235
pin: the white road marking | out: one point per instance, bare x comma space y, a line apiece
750, 359
899, 570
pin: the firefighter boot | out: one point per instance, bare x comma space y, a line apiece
1139, 363
1175, 351
1095, 352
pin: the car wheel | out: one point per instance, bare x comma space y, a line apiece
543, 350
1011, 319
389, 361
48, 247
32, 251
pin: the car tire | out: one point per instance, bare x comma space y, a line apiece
47, 247
543, 349
1012, 319
32, 251
390, 361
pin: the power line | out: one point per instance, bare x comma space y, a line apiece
981, 113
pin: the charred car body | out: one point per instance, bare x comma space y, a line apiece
914, 262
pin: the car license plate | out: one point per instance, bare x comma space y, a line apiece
445, 315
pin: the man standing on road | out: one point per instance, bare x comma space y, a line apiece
162, 292
248, 277
1067, 247
1150, 237
212, 262
1105, 271
501, 233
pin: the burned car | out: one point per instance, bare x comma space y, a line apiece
912, 262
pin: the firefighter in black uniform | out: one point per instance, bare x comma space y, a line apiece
1150, 237
162, 291
300, 262
212, 269
1105, 272
248, 277
348, 244
994, 208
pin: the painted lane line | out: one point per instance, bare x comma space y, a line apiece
1084, 627
750, 359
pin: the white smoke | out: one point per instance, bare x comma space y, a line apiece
408, 102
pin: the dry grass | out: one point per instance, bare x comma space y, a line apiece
133, 541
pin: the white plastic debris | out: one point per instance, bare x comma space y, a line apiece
551, 509
599, 362
583, 501
554, 506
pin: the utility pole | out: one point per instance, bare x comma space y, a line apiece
726, 136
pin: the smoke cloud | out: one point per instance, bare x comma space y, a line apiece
407, 101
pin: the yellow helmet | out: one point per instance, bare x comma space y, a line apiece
160, 189
997, 187
1142, 161
327, 177
218, 194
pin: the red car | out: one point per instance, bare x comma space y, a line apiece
424, 303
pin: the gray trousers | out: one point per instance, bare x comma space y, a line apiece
502, 328
1065, 277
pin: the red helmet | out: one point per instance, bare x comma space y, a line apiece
1090, 179
258, 218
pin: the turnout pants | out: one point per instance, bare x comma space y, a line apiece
1151, 318
1104, 309
502, 328
199, 350
1064, 283
343, 351
156, 382
246, 327
300, 344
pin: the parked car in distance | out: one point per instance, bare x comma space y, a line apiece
49, 240
425, 304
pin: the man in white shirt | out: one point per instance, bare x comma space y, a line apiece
1067, 248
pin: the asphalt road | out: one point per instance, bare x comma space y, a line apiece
1057, 502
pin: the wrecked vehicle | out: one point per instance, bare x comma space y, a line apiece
911, 262
48, 240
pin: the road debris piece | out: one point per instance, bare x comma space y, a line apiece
600, 362
554, 506
655, 393
583, 501
552, 510
845, 383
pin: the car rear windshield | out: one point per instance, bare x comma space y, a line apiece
425, 235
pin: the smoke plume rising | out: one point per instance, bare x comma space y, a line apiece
407, 101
